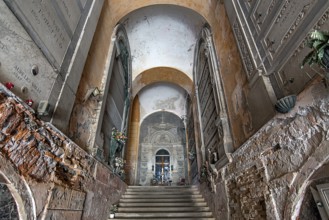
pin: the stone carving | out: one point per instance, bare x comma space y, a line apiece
244, 51
318, 26
271, 6
298, 20
291, 15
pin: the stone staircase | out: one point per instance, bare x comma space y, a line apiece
163, 202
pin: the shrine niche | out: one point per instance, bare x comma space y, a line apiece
162, 153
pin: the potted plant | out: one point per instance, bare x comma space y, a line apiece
319, 43
113, 210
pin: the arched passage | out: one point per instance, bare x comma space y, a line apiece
162, 74
162, 149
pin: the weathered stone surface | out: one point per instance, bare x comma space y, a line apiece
8, 209
269, 174
70, 179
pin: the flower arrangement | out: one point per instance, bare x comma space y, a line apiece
119, 162
118, 135
119, 167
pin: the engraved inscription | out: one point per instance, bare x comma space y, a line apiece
22, 76
47, 27
71, 12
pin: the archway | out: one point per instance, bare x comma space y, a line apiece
162, 149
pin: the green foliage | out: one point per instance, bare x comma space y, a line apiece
318, 41
114, 209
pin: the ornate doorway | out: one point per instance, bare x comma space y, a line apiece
162, 166
162, 150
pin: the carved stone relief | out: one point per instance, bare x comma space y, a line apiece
244, 51
162, 131
64, 198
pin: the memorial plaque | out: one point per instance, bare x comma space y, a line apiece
71, 12
16, 47
47, 26
83, 3
51, 24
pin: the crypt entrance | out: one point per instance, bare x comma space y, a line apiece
162, 149
162, 166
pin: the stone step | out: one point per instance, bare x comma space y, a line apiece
144, 215
163, 204
161, 196
163, 209
141, 191
170, 200
162, 187
190, 218
150, 188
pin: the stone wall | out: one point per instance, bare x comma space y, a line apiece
63, 181
8, 209
269, 174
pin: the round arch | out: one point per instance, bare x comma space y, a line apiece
162, 74
19, 190
120, 10
302, 180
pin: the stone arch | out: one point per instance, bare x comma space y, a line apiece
161, 74
166, 125
302, 180
19, 189
197, 7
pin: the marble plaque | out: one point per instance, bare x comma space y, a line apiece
16, 47
83, 3
71, 13
47, 26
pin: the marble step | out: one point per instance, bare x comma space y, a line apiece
145, 215
163, 209
171, 218
161, 188
160, 196
163, 204
177, 191
168, 200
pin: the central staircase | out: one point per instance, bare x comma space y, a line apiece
163, 202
